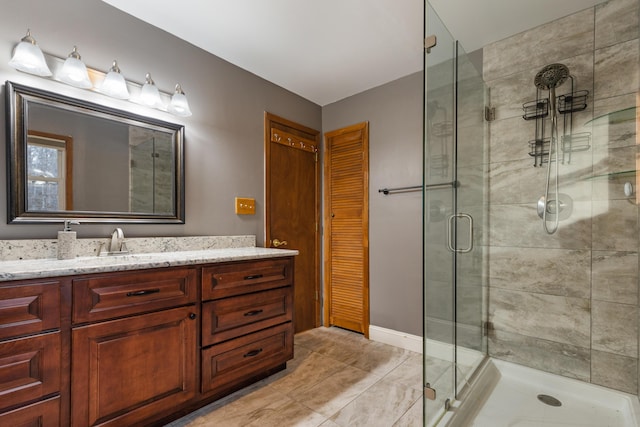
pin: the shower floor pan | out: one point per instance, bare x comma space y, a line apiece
506, 395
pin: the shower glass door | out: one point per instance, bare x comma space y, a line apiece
454, 218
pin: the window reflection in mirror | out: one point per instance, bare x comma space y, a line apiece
49, 172
82, 160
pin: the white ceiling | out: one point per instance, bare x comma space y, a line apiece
327, 50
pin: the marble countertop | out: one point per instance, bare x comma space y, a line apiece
41, 268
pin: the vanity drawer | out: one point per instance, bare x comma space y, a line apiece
226, 280
29, 368
121, 294
40, 414
27, 308
231, 317
237, 360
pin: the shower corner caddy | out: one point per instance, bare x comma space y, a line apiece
570, 142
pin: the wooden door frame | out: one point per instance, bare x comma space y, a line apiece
364, 126
269, 119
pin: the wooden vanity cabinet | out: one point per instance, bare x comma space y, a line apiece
141, 364
143, 347
247, 321
30, 353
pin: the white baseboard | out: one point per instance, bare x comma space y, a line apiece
395, 338
414, 343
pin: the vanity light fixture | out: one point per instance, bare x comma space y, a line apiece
149, 94
28, 57
114, 83
179, 105
74, 72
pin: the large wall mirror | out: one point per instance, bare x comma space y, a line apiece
69, 158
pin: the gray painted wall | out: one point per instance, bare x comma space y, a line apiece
223, 138
394, 113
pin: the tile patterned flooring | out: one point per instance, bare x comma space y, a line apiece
337, 379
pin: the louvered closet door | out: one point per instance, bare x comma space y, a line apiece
347, 228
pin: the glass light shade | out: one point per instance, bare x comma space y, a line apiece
114, 83
149, 94
179, 105
28, 57
74, 72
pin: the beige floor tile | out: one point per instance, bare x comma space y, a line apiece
335, 392
380, 405
336, 379
312, 370
409, 372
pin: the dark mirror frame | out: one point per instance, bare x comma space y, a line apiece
17, 98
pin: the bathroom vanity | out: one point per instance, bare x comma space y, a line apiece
139, 339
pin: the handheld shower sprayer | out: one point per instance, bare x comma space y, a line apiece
549, 78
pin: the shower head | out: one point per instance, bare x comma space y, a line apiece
551, 76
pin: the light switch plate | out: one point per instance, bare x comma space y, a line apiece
245, 206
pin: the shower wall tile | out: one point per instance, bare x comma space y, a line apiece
617, 60
472, 184
616, 21
614, 277
615, 225
562, 38
614, 130
614, 328
568, 303
614, 371
520, 226
553, 318
557, 358
509, 92
509, 140
471, 148
515, 182
519, 182
525, 269
613, 168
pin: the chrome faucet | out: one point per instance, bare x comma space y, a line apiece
117, 245
117, 240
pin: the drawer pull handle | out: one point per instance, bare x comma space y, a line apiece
252, 277
253, 353
253, 313
142, 292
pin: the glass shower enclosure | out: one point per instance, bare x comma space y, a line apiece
454, 219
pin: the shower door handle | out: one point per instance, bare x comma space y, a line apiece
450, 244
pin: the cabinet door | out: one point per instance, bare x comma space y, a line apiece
29, 369
128, 370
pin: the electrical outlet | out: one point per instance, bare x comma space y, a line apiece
245, 206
